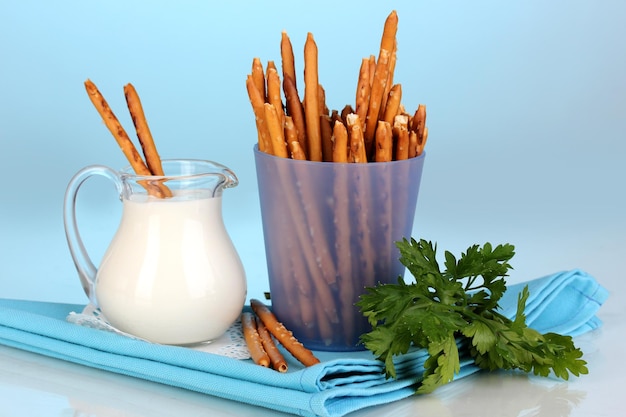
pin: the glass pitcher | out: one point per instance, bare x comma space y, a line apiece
171, 273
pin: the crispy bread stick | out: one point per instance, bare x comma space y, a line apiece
295, 110
153, 160
363, 89
340, 142
287, 58
273, 93
381, 75
277, 360
311, 99
257, 102
393, 103
253, 340
258, 76
284, 336
277, 132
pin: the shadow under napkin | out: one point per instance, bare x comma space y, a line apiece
564, 302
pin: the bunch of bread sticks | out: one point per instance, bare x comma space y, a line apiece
376, 129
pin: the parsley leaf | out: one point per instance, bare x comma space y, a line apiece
442, 310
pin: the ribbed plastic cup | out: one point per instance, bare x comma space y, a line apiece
330, 231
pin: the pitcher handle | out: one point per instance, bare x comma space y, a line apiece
84, 266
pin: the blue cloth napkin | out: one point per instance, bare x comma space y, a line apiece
564, 302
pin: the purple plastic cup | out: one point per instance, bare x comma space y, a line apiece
330, 231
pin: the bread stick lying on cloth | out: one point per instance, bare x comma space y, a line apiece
277, 360
284, 336
253, 340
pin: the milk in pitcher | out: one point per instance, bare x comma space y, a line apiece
169, 268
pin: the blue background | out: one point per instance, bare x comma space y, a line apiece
526, 110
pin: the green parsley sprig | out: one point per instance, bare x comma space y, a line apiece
442, 310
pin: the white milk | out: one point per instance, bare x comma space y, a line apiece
171, 274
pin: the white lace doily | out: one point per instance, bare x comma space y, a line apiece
231, 344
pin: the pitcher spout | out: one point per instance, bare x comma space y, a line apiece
225, 176
230, 179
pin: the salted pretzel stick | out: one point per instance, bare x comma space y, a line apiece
153, 160
277, 360
296, 150
388, 40
276, 130
253, 341
284, 336
291, 137
392, 63
311, 99
326, 132
420, 147
393, 103
384, 142
389, 83
257, 102
372, 70
287, 58
340, 142
290, 130
321, 94
122, 139
295, 110
326, 129
357, 145
380, 77
363, 89
258, 77
270, 65
273, 93
419, 121
376, 95
413, 144
401, 132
